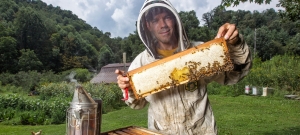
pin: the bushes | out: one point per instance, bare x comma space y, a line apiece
11, 88
226, 90
51, 105
7, 114
78, 74
32, 79
32, 118
55, 94
50, 90
83, 75
29, 80
281, 73
110, 95
32, 110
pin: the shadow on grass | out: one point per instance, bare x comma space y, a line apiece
286, 131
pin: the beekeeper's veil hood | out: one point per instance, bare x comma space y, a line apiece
148, 10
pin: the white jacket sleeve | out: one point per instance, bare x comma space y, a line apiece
241, 57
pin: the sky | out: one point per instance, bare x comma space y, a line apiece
119, 16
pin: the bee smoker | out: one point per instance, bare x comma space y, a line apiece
83, 115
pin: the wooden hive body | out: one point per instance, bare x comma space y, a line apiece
197, 62
131, 130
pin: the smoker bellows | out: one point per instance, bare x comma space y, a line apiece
200, 61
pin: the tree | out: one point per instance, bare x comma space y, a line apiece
28, 23
106, 56
132, 45
8, 8
75, 52
292, 9
294, 45
190, 23
192, 26
8, 54
291, 12
29, 61
207, 18
269, 42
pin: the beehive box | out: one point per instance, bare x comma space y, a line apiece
197, 62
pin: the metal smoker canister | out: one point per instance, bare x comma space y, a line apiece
82, 116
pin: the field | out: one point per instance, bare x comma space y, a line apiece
242, 115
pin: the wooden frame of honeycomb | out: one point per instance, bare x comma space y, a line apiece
204, 60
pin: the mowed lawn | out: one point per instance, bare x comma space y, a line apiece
240, 115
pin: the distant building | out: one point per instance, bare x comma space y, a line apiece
107, 73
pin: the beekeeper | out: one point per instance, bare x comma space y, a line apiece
180, 111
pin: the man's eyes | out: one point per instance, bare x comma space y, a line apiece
164, 18
154, 21
168, 17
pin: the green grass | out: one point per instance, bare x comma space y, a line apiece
242, 115
123, 118
256, 115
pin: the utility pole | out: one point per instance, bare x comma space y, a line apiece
254, 41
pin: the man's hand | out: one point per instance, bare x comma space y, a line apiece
229, 32
123, 81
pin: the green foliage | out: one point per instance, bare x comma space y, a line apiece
83, 75
7, 9
264, 32
26, 81
50, 106
294, 45
29, 61
54, 35
8, 51
291, 12
106, 55
7, 114
292, 8
77, 75
28, 23
32, 118
280, 73
51, 90
109, 94
33, 111
10, 88
225, 90
132, 45
228, 3
191, 25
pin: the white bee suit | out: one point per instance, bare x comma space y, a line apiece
181, 111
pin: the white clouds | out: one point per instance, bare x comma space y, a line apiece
110, 4
188, 5
124, 18
119, 16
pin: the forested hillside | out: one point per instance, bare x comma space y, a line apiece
37, 36
41, 37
